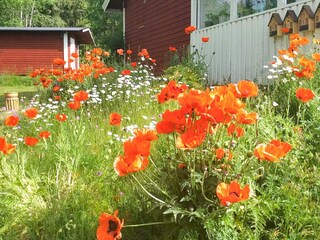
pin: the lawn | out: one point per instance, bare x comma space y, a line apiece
104, 153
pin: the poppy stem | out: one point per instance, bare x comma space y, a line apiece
145, 224
147, 192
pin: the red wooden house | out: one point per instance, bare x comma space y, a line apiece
23, 49
153, 24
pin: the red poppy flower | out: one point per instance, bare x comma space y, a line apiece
44, 134
126, 72
129, 52
182, 165
172, 49
190, 29
75, 105
304, 94
115, 119
232, 193
81, 96
285, 30
134, 64
109, 227
205, 39
31, 113
11, 121
61, 117
31, 141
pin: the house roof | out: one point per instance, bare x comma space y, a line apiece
83, 35
277, 17
308, 11
292, 14
112, 5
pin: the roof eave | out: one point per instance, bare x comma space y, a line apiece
112, 5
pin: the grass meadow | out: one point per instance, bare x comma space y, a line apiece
229, 162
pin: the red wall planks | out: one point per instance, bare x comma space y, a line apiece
156, 25
20, 52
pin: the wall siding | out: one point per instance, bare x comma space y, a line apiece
243, 47
20, 52
156, 25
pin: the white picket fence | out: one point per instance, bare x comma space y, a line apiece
243, 47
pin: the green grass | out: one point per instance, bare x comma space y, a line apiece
58, 188
21, 84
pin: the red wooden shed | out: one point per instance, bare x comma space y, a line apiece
23, 49
153, 24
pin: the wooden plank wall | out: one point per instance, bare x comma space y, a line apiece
243, 47
20, 52
156, 25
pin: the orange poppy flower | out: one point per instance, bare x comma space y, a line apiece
2, 143
31, 141
246, 89
136, 146
57, 98
129, 164
115, 119
273, 151
145, 134
31, 113
74, 55
316, 57
204, 39
56, 88
304, 94
190, 140
220, 153
61, 117
11, 121
244, 117
44, 134
97, 51
5, 147
153, 60
126, 72
285, 30
75, 105
232, 128
172, 49
81, 96
109, 226
9, 148
188, 30
171, 91
59, 61
164, 127
129, 52
231, 193
120, 51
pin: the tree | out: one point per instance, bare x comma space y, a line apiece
105, 26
